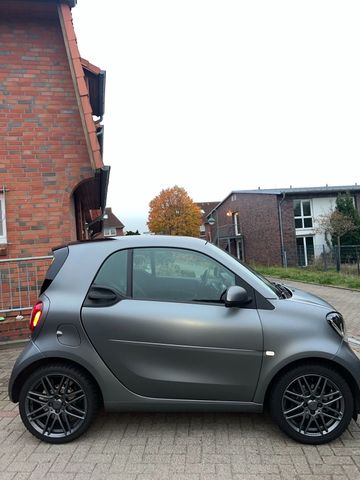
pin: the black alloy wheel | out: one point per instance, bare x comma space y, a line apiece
312, 404
58, 403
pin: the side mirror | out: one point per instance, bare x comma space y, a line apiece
236, 297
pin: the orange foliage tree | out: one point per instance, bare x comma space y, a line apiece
173, 212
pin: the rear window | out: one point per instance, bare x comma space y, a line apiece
60, 255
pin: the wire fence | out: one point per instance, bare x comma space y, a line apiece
20, 281
345, 258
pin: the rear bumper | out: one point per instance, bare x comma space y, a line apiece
28, 356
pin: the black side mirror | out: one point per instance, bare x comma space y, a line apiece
236, 297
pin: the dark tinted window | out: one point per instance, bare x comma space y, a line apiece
113, 272
60, 255
178, 275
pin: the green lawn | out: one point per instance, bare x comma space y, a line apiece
309, 275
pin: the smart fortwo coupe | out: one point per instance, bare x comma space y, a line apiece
156, 323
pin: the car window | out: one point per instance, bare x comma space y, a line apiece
178, 275
113, 272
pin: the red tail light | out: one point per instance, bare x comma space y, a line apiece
36, 315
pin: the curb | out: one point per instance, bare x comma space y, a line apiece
13, 344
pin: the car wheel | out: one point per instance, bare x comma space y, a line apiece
58, 402
312, 404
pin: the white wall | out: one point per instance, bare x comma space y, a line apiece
319, 206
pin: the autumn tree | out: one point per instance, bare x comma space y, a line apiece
173, 212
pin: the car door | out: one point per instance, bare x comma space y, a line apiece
156, 317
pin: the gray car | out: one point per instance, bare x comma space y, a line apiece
156, 323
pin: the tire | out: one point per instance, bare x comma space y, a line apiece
312, 404
58, 403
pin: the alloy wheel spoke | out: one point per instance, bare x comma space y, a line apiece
62, 425
52, 425
333, 400
30, 417
37, 410
318, 426
74, 415
67, 421
81, 396
317, 384
77, 410
62, 380
286, 412
49, 385
37, 397
338, 417
46, 424
289, 417
293, 400
308, 386
308, 425
323, 387
323, 421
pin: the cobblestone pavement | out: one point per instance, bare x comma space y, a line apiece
179, 446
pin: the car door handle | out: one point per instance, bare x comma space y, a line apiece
102, 295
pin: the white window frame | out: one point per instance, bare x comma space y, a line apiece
236, 222
3, 236
109, 231
302, 217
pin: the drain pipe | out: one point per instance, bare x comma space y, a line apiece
283, 253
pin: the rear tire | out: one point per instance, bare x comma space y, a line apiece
312, 404
58, 403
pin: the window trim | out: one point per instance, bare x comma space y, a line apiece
3, 237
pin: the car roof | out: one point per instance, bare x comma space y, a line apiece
129, 241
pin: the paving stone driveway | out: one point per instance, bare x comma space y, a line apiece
179, 446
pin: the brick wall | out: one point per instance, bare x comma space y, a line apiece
259, 225
43, 153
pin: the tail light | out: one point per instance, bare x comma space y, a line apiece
36, 315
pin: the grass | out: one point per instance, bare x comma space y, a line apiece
311, 275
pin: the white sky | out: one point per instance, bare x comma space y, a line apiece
221, 95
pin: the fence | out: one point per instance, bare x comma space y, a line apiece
345, 258
20, 281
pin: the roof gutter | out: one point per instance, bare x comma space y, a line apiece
283, 252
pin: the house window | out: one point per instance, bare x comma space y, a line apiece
202, 230
303, 214
109, 232
2, 220
233, 197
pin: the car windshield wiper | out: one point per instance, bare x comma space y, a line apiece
282, 290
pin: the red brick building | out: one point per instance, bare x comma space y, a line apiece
53, 183
275, 226
112, 227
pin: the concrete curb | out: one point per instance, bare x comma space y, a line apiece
13, 344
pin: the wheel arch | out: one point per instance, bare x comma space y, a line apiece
319, 361
24, 374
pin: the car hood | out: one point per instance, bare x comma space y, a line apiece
300, 296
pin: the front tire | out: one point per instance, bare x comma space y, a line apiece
312, 404
58, 402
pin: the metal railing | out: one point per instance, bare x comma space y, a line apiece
20, 281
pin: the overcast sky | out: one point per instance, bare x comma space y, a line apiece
224, 95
